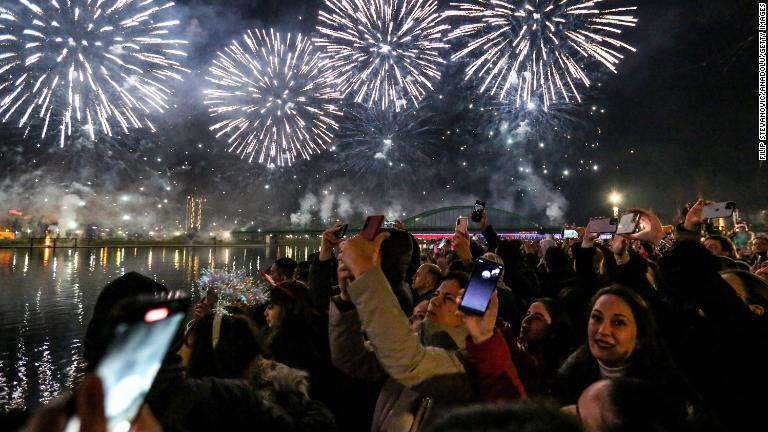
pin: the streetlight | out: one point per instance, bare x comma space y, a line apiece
615, 199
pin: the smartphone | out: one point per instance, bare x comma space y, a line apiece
629, 224
341, 232
462, 225
372, 226
718, 210
570, 234
602, 225
477, 296
140, 333
477, 213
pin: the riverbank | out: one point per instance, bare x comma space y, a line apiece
70, 244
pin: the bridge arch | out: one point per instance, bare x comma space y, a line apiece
444, 219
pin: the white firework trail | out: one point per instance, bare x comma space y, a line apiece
539, 50
278, 105
101, 65
383, 53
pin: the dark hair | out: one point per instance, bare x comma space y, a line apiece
726, 244
460, 277
642, 406
396, 253
556, 260
688, 266
293, 297
647, 333
286, 266
561, 330
290, 340
302, 271
755, 287
511, 253
528, 416
649, 360
125, 287
236, 349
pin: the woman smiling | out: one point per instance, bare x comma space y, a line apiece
621, 342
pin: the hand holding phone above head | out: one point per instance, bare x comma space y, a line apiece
461, 247
480, 328
360, 254
694, 218
651, 228
330, 239
478, 212
462, 226
372, 226
482, 284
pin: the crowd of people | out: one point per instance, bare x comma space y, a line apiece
648, 331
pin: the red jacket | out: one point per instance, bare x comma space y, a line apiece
493, 371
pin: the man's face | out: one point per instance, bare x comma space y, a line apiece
277, 276
422, 280
443, 306
760, 245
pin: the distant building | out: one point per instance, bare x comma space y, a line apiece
194, 215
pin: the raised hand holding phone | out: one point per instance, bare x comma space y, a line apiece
652, 230
462, 226
694, 216
461, 247
482, 284
360, 254
330, 239
371, 227
480, 328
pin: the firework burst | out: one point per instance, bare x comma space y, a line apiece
277, 103
383, 53
386, 148
102, 65
539, 51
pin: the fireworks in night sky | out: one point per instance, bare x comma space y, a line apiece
386, 147
91, 64
275, 100
383, 53
539, 52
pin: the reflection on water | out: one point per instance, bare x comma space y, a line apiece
47, 296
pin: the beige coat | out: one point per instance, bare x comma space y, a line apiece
425, 370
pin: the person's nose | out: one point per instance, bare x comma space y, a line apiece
604, 328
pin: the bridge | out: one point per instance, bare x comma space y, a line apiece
444, 220
432, 223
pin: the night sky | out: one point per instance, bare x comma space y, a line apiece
679, 121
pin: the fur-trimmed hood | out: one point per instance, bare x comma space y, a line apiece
270, 375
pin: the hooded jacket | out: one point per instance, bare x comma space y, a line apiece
426, 373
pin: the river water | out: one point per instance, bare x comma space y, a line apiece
47, 297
